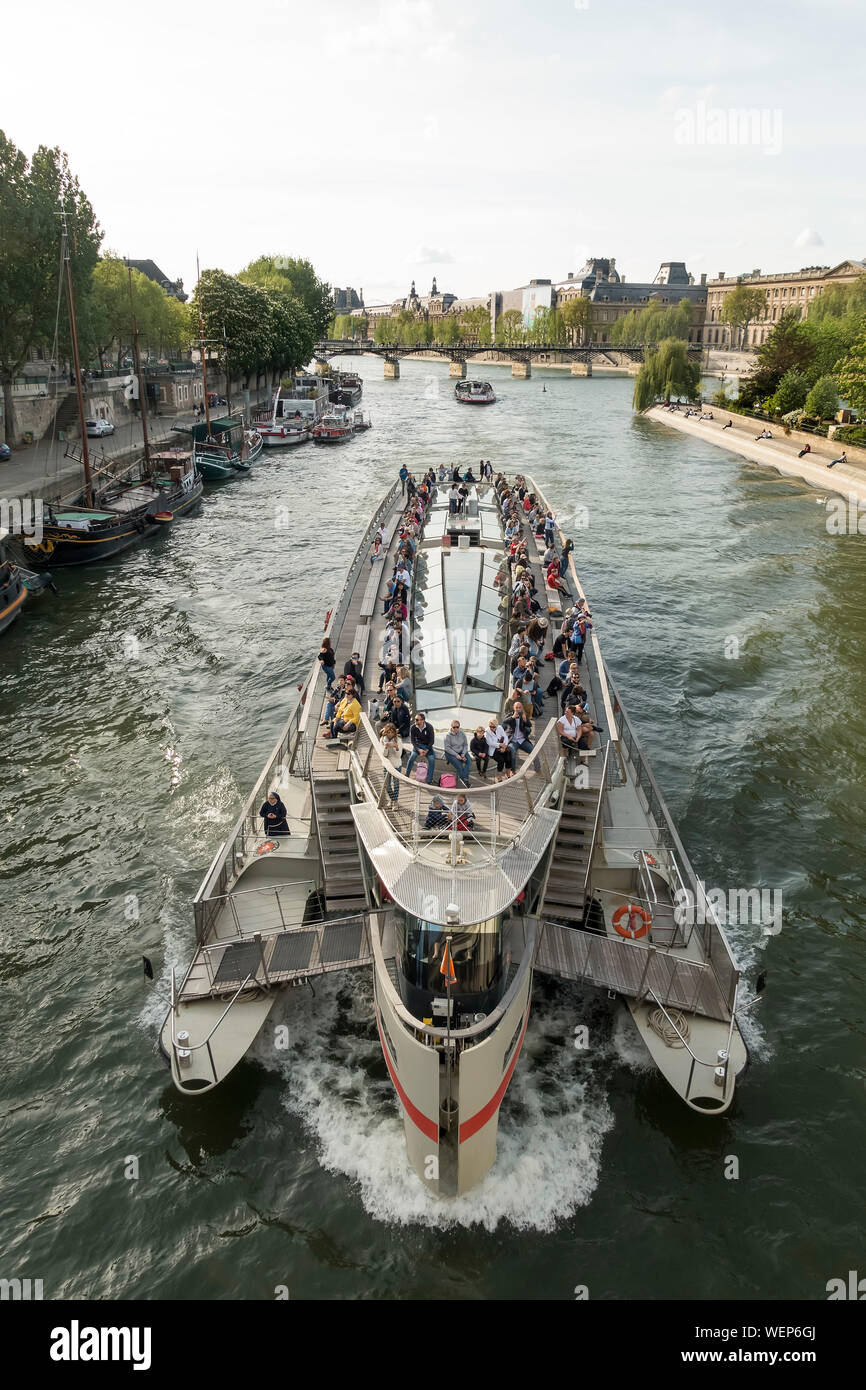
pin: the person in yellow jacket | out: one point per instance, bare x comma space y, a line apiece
347, 715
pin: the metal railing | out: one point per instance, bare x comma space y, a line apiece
291, 754
499, 813
195, 1047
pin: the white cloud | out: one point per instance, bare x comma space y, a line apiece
808, 238
426, 255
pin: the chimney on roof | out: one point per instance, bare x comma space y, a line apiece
691, 279
721, 275
757, 272
571, 275
704, 278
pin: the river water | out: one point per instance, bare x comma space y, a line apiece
138, 707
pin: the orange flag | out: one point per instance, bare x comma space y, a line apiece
447, 966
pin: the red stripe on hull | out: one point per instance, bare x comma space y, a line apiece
427, 1127
479, 1120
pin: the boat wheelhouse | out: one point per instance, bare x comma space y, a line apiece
345, 388
336, 427
296, 409
223, 448
474, 392
571, 867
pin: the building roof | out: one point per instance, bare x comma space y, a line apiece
153, 272
635, 294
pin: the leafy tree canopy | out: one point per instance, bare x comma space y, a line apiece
294, 276
667, 371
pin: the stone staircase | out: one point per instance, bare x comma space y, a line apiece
338, 843
564, 895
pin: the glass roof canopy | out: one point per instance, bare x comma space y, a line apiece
460, 637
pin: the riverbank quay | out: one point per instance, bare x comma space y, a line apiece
44, 471
780, 452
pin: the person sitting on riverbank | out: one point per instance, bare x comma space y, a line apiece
728, 426
274, 813
843, 458
765, 434
807, 449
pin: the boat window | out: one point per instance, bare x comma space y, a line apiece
486, 666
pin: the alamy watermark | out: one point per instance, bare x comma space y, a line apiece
737, 907
760, 127
23, 517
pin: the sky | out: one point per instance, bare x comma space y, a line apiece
485, 142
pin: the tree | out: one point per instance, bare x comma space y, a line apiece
510, 331
742, 305
289, 274
577, 317
788, 346
823, 399
667, 372
475, 325
852, 375
31, 195
243, 313
790, 394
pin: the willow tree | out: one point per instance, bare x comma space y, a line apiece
667, 372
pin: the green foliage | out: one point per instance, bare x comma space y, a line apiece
789, 347
652, 325
265, 329
790, 394
475, 325
823, 399
667, 371
509, 328
742, 305
851, 375
163, 323
851, 434
31, 195
576, 317
289, 275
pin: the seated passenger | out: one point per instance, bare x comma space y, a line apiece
348, 715
438, 815
462, 813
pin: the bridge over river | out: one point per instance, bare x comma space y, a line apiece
521, 356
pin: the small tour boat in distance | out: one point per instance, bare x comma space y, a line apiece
334, 428
475, 393
361, 422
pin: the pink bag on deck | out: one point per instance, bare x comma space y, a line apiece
421, 770
448, 780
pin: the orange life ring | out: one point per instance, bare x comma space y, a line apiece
266, 848
634, 914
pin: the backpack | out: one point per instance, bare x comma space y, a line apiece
555, 686
421, 770
448, 780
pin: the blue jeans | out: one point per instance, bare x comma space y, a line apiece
526, 746
431, 763
462, 766
392, 786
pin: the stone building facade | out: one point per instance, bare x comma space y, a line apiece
790, 289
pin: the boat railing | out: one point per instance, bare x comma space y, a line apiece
500, 812
597, 823
260, 918
293, 751
713, 938
188, 1046
719, 1064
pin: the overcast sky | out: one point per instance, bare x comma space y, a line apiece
485, 141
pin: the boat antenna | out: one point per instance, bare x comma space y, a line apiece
201, 343
142, 388
76, 360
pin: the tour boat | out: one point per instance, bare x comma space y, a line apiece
475, 393
361, 422
571, 868
334, 428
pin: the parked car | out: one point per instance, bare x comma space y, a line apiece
97, 428
5, 452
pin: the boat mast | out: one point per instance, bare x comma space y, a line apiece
142, 388
76, 361
228, 374
201, 343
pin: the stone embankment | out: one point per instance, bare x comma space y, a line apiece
780, 452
